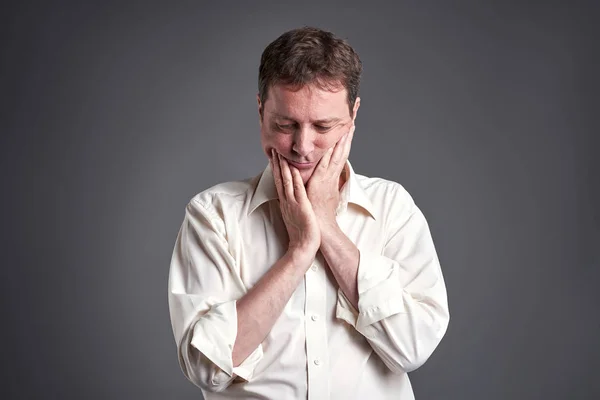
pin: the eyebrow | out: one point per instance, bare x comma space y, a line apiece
320, 121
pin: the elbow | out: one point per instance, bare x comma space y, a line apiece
202, 372
403, 363
208, 383
407, 356
408, 360
211, 385
409, 364
422, 349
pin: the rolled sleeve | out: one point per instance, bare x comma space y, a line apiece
204, 286
380, 294
379, 289
214, 336
402, 302
345, 310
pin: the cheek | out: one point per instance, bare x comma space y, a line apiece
325, 142
275, 140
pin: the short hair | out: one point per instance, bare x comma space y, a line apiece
310, 56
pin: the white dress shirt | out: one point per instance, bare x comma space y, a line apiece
320, 346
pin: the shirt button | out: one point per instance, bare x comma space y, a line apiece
317, 361
314, 317
314, 267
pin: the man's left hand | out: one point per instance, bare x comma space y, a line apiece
323, 187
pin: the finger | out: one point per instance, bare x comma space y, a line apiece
348, 142
323, 164
277, 175
340, 152
299, 189
286, 176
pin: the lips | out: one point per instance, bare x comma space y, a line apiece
301, 166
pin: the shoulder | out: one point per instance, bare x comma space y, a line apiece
232, 191
395, 206
224, 197
386, 194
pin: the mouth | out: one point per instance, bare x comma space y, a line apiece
301, 166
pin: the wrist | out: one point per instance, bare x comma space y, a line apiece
333, 240
329, 230
302, 255
326, 215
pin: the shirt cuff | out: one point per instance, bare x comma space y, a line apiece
345, 310
214, 336
380, 289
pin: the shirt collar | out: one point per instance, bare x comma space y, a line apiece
265, 190
352, 192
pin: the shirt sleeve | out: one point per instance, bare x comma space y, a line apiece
402, 305
204, 285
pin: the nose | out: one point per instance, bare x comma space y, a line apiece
304, 142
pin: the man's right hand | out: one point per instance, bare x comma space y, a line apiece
299, 218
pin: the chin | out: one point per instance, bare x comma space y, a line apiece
306, 175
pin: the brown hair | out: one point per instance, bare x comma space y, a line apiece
310, 56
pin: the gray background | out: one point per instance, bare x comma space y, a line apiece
115, 114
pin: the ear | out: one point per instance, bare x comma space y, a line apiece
355, 109
260, 110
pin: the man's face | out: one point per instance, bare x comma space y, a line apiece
302, 125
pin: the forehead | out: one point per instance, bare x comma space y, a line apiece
309, 102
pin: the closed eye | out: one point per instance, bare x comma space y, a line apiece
285, 127
289, 127
323, 128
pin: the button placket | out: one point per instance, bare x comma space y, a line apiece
316, 333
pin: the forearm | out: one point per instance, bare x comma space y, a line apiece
342, 256
403, 316
258, 309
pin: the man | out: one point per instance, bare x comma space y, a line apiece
309, 280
